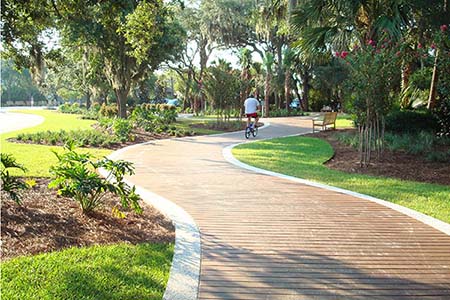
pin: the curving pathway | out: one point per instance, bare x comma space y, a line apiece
264, 237
15, 121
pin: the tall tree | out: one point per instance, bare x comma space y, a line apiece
132, 37
26, 27
268, 63
245, 60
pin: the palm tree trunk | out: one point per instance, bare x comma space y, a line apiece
266, 95
287, 88
434, 80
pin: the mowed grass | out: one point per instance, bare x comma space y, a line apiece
38, 158
119, 272
303, 157
344, 121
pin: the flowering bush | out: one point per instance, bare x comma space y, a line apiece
374, 72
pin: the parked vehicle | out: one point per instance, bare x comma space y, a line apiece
295, 104
174, 102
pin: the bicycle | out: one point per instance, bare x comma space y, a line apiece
251, 129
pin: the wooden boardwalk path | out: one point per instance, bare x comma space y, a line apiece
270, 238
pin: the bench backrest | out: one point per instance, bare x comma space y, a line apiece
329, 117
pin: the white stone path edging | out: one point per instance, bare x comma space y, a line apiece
184, 276
435, 223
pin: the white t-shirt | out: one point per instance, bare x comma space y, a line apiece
251, 105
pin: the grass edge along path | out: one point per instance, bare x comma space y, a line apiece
120, 271
38, 158
304, 157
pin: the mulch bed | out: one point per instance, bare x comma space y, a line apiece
47, 222
399, 165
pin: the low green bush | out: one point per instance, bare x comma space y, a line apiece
284, 113
73, 108
122, 129
109, 111
12, 185
442, 114
438, 156
350, 139
411, 121
413, 143
76, 176
82, 138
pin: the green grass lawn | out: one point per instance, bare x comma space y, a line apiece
303, 157
119, 272
344, 120
38, 158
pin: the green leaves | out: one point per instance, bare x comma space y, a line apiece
76, 176
10, 184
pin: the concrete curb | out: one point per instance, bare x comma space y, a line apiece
435, 223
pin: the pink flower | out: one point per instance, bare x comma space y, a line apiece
344, 54
398, 53
419, 46
337, 54
444, 28
371, 42
433, 46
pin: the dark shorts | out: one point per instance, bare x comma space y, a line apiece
253, 115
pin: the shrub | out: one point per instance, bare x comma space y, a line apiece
438, 156
82, 138
410, 121
284, 113
73, 108
442, 114
76, 176
348, 139
108, 110
122, 129
10, 184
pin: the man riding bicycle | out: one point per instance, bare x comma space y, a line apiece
252, 107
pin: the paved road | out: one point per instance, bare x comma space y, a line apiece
15, 121
270, 238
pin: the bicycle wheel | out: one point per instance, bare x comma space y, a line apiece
247, 132
255, 131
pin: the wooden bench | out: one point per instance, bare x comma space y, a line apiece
329, 118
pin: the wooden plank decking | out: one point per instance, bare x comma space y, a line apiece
268, 238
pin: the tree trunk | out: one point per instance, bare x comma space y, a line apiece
434, 81
88, 99
287, 89
305, 88
121, 95
267, 95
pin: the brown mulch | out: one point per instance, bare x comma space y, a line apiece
399, 165
47, 222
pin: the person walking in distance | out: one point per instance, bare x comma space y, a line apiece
252, 107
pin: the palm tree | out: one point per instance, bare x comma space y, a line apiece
268, 63
324, 24
245, 59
